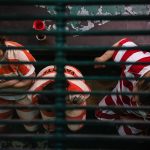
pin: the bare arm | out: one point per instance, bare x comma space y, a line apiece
24, 83
17, 83
105, 57
8, 84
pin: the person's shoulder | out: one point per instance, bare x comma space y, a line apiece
121, 42
12, 43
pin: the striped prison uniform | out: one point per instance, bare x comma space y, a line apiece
126, 85
77, 85
16, 70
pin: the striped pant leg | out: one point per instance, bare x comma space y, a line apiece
129, 130
48, 115
5, 113
76, 115
106, 114
27, 114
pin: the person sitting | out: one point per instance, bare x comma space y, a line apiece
72, 85
12, 69
125, 84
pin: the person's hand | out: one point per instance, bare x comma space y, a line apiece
98, 59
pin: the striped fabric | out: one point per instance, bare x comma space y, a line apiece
9, 70
74, 85
130, 70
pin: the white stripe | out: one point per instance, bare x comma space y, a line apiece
19, 55
31, 70
31, 128
134, 130
144, 70
120, 53
78, 83
30, 115
137, 56
13, 97
45, 69
40, 82
129, 44
121, 131
76, 127
44, 117
109, 112
76, 71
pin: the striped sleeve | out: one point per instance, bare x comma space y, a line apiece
22, 56
122, 55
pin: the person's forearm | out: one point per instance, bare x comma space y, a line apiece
8, 84
23, 84
107, 55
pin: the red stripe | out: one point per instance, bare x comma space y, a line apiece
99, 114
126, 99
23, 69
123, 41
137, 68
127, 54
119, 101
6, 69
4, 101
48, 113
127, 84
114, 54
74, 87
27, 53
29, 56
109, 100
127, 130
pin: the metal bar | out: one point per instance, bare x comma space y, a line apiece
61, 93
87, 122
64, 62
70, 137
14, 17
80, 48
73, 2
81, 78
89, 107
60, 83
63, 32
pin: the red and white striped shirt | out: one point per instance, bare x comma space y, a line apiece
9, 70
125, 85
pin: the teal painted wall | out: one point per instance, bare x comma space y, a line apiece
97, 10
